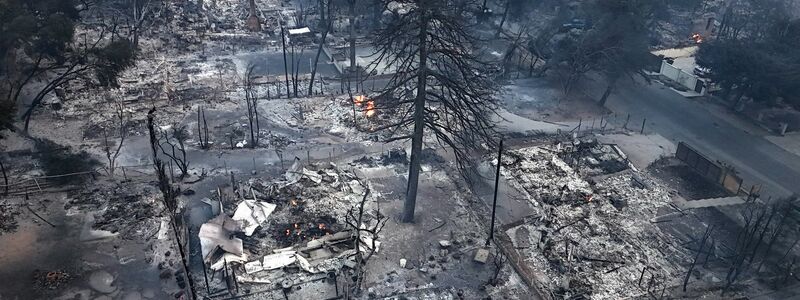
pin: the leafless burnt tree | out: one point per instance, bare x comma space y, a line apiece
141, 11
175, 149
697, 256
316, 58
362, 225
170, 195
782, 206
77, 66
440, 85
251, 98
499, 260
758, 221
202, 132
121, 128
296, 69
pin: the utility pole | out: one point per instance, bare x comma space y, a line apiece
496, 185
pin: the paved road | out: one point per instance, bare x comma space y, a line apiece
680, 119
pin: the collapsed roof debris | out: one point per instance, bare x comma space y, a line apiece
252, 214
539, 173
591, 235
291, 228
216, 243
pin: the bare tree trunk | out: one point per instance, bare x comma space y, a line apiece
285, 65
352, 35
70, 74
169, 199
176, 154
294, 78
316, 59
252, 110
359, 257
200, 130
122, 131
205, 129
135, 26
419, 119
321, 6
35, 70
352, 102
741, 252
296, 69
694, 261
252, 128
761, 237
258, 125
5, 177
771, 242
533, 64
608, 91
503, 20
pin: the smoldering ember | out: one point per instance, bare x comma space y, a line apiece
406, 149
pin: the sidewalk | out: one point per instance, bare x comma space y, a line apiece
790, 142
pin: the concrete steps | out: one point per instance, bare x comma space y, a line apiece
711, 202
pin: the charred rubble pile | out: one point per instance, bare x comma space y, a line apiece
591, 158
316, 221
394, 156
591, 235
130, 211
8, 220
355, 118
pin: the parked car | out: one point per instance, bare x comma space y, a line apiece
576, 24
701, 72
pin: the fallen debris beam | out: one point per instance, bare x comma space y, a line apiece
439, 226
326, 240
614, 269
38, 216
602, 260
567, 225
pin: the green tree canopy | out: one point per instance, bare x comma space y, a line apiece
755, 55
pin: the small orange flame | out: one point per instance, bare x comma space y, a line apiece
370, 109
321, 226
697, 38
293, 202
359, 99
